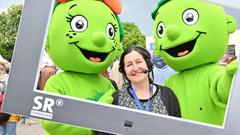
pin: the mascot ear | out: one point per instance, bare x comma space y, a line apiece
231, 24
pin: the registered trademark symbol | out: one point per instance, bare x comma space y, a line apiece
59, 102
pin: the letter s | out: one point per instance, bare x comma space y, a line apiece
37, 101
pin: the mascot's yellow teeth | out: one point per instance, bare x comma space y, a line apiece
183, 53
95, 59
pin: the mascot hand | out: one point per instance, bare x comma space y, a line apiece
232, 67
224, 82
107, 97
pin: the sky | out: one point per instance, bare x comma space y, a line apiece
139, 11
5, 4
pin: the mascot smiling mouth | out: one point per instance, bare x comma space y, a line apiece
183, 49
92, 55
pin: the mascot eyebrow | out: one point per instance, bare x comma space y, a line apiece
76, 5
113, 16
72, 6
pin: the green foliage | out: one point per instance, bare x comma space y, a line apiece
9, 22
133, 35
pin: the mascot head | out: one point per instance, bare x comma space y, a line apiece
189, 33
84, 35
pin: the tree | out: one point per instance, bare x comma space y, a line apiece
133, 35
9, 22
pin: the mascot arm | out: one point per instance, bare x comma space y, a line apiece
54, 128
224, 82
53, 86
107, 97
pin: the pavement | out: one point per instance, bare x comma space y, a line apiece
31, 127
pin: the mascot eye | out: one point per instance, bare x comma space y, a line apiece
160, 30
190, 16
110, 31
79, 24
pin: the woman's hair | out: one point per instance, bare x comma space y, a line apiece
142, 51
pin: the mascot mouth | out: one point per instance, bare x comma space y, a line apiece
183, 49
92, 55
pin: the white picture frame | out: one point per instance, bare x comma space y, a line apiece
21, 92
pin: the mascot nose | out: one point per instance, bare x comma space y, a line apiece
173, 32
99, 38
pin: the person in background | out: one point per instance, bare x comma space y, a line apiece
116, 75
6, 63
9, 127
3, 77
4, 117
140, 92
230, 59
161, 70
47, 69
45, 73
227, 59
224, 60
106, 75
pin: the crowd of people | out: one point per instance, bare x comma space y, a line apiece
8, 122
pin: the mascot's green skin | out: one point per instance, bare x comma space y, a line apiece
192, 36
83, 41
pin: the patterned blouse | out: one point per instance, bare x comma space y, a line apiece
163, 101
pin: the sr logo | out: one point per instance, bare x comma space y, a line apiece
43, 104
43, 107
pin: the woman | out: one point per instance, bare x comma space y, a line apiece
139, 91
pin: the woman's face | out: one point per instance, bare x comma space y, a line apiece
134, 66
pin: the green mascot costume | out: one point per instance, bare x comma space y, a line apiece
192, 36
83, 39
